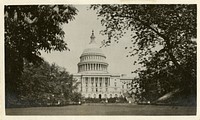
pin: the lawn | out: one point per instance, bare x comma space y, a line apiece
104, 110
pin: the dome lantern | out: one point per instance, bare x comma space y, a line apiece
92, 37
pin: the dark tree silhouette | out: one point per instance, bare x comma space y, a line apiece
29, 29
164, 38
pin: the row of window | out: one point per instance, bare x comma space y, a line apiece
96, 80
97, 89
96, 85
105, 95
92, 57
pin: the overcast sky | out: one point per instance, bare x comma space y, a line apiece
77, 36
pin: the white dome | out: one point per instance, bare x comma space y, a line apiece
92, 59
92, 49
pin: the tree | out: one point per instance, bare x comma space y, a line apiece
45, 83
163, 38
29, 29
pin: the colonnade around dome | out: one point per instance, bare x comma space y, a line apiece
92, 67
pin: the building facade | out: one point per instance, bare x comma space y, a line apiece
94, 78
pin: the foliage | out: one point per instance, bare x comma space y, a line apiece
46, 84
29, 29
76, 97
163, 37
103, 100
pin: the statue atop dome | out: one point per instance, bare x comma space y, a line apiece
92, 37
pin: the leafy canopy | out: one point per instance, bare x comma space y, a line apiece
28, 30
163, 36
45, 83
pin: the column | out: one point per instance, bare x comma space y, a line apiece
103, 82
109, 81
89, 81
83, 67
95, 66
87, 67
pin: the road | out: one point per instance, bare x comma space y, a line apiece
104, 110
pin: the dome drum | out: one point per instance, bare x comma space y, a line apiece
82, 67
92, 58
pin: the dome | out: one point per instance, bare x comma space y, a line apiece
92, 60
92, 48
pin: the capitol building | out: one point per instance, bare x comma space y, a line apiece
94, 78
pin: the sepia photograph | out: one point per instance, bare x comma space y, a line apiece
100, 59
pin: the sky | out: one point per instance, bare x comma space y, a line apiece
77, 36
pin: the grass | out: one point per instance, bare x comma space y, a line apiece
123, 109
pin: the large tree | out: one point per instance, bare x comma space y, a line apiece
163, 37
29, 29
45, 84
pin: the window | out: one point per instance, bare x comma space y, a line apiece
86, 81
92, 89
105, 96
100, 90
94, 95
110, 95
106, 80
106, 84
106, 89
86, 90
96, 80
92, 81
96, 89
115, 84
122, 86
100, 79
116, 95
